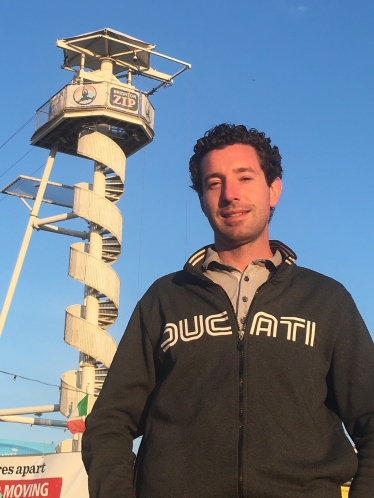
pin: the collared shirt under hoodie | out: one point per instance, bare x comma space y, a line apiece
240, 286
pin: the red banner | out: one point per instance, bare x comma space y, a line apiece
31, 488
59, 475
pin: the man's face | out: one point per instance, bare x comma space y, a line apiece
236, 198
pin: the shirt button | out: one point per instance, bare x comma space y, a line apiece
245, 299
246, 278
242, 320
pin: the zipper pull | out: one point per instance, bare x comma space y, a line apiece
240, 340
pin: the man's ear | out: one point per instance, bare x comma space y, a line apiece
201, 203
275, 192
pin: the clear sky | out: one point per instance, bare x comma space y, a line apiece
302, 72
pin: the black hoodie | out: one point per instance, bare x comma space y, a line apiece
222, 417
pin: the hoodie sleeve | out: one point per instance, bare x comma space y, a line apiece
118, 414
352, 379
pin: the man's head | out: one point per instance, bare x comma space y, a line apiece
236, 173
226, 134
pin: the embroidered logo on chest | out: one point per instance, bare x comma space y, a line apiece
294, 328
213, 325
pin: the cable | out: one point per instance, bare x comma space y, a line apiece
20, 159
26, 378
41, 382
20, 129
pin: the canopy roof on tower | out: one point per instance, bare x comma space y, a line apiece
27, 187
123, 49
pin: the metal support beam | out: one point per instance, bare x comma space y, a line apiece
35, 421
64, 231
54, 219
26, 239
29, 409
25, 203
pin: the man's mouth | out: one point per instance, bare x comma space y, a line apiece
234, 214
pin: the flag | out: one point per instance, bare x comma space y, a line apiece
76, 422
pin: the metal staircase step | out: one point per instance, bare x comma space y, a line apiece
108, 306
111, 251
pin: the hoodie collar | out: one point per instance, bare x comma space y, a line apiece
288, 256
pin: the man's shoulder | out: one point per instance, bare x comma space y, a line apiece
314, 278
304, 272
167, 282
173, 278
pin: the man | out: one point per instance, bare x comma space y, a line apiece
238, 370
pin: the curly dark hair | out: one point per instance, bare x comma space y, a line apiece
229, 134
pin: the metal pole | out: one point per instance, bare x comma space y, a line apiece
55, 219
63, 231
34, 421
26, 239
29, 409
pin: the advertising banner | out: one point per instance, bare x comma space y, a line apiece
58, 475
124, 99
103, 95
85, 96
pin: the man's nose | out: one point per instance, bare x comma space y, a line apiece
230, 191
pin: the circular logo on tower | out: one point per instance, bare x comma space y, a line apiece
84, 94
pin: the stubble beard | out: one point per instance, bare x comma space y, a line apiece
231, 238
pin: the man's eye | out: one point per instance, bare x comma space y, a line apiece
246, 178
212, 185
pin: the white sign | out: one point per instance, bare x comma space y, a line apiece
59, 475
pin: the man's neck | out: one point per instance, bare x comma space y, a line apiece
242, 256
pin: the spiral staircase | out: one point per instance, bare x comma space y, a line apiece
92, 266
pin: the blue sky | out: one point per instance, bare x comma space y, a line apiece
302, 72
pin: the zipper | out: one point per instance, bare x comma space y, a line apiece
240, 347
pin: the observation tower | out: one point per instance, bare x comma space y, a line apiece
101, 116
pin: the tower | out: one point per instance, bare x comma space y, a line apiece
99, 115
